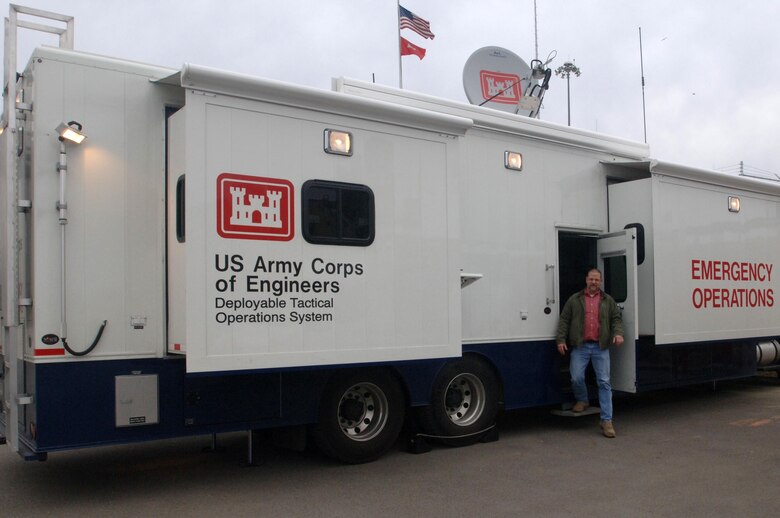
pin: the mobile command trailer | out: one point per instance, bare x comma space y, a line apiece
688, 253
228, 253
277, 266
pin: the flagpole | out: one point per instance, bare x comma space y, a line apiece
400, 67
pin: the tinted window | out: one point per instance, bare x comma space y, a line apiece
615, 277
640, 241
180, 209
337, 213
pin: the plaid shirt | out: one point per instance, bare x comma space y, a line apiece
591, 330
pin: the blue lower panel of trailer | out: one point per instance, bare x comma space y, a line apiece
75, 403
660, 366
76, 406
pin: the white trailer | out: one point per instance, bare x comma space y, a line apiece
226, 253
689, 253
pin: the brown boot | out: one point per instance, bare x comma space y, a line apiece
607, 429
580, 406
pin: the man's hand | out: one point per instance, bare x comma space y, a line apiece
618, 340
562, 349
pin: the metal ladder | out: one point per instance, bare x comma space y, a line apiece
13, 286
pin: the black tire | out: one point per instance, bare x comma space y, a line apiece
361, 415
465, 401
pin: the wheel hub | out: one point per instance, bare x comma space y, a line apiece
363, 412
352, 410
455, 398
465, 399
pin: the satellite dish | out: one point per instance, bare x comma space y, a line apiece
498, 78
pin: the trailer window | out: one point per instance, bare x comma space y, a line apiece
180, 209
640, 241
616, 277
336, 213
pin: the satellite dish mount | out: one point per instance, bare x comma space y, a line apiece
500, 79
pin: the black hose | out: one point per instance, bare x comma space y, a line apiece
546, 82
88, 349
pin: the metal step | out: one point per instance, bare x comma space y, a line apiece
567, 412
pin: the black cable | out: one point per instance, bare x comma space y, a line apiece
88, 349
499, 93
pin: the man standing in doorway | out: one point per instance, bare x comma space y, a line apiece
590, 323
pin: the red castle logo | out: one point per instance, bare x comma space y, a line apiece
505, 87
253, 207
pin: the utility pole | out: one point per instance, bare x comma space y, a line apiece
566, 70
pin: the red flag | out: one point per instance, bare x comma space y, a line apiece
408, 49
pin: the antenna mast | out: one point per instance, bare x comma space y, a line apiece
536, 34
642, 69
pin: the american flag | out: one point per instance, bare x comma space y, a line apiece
408, 20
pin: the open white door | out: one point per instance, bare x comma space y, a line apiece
617, 259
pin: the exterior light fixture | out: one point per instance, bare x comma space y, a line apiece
733, 204
70, 132
338, 142
513, 160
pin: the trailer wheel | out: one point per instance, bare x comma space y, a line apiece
464, 401
361, 416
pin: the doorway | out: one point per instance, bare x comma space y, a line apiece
576, 255
615, 255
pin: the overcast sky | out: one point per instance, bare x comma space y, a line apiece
712, 94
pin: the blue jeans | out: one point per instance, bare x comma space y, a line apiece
580, 356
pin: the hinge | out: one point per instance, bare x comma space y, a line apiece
24, 205
200, 92
24, 399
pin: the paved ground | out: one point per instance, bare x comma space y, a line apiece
688, 452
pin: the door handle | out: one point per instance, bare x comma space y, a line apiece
547, 268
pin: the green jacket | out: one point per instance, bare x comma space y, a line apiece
572, 321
